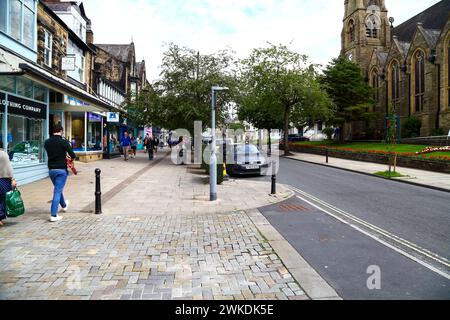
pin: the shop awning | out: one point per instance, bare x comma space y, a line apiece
64, 87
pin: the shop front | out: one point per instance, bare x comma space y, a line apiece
83, 125
111, 135
24, 126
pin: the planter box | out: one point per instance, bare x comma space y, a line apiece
402, 161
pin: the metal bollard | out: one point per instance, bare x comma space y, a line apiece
98, 193
274, 180
326, 153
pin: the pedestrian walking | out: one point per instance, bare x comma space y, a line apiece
125, 142
155, 144
133, 146
150, 148
58, 150
7, 183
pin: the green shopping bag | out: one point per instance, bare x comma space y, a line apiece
14, 204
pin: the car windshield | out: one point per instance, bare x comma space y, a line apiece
246, 149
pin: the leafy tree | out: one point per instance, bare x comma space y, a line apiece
345, 84
277, 84
185, 84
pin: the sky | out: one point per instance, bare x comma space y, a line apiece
313, 27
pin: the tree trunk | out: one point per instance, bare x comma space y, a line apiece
286, 132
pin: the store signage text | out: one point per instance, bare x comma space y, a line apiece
112, 117
24, 107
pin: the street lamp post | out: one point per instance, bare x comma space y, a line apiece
213, 158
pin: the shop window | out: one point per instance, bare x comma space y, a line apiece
78, 120
40, 93
25, 87
25, 140
8, 83
94, 132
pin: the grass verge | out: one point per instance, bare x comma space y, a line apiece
387, 174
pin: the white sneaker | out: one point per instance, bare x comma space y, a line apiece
55, 219
67, 206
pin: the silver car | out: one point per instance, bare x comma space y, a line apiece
245, 159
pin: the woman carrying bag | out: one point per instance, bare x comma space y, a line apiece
7, 183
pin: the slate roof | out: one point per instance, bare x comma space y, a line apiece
382, 57
433, 18
432, 36
119, 51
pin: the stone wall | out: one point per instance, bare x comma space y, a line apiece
59, 46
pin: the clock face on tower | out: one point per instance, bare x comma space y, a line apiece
350, 56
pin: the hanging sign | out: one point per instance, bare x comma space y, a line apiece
68, 63
27, 108
112, 117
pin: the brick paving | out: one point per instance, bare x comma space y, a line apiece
193, 256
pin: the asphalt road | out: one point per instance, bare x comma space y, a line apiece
341, 254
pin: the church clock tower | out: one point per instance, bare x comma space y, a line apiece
366, 27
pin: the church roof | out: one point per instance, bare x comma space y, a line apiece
433, 18
432, 36
119, 51
382, 57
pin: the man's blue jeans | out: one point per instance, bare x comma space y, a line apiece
59, 178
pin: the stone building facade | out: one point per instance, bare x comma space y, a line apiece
407, 65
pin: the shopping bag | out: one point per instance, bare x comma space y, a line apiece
71, 165
14, 204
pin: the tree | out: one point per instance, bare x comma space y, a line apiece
345, 84
277, 84
185, 84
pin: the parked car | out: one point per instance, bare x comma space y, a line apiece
248, 160
295, 138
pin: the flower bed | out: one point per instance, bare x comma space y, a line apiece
409, 160
431, 150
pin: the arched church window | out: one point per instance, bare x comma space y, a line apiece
375, 82
448, 72
351, 31
394, 73
372, 26
419, 80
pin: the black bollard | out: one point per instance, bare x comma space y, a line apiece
98, 193
274, 180
326, 153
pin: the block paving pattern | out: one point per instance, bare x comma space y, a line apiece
199, 257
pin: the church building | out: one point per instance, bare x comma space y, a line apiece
407, 65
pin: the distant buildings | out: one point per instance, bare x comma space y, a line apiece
51, 72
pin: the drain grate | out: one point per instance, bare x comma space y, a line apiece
293, 208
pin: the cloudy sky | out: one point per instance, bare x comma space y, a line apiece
313, 26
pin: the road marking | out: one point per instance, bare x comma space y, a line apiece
402, 242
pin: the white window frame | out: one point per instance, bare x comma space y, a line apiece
23, 6
48, 47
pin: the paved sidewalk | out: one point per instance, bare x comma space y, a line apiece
141, 187
421, 177
159, 238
